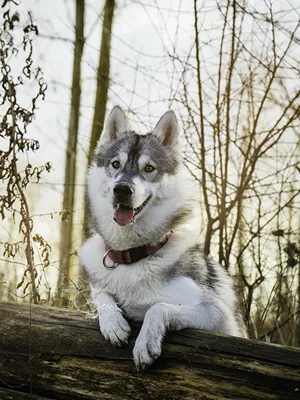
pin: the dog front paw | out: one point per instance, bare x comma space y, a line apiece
148, 344
146, 350
114, 327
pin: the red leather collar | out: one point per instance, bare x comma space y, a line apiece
134, 254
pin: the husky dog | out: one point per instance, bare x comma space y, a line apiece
144, 261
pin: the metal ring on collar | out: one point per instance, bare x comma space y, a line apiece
104, 261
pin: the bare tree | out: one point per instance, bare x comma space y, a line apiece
243, 108
70, 165
102, 87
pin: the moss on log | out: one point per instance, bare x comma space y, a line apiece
59, 354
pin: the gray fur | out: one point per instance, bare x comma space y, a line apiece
195, 265
135, 145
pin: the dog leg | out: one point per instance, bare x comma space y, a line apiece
210, 315
113, 325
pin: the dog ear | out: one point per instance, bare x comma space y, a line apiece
167, 130
116, 125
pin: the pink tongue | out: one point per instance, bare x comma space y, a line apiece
124, 215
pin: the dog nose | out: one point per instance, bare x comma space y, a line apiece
122, 191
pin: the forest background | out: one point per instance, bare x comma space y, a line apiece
231, 72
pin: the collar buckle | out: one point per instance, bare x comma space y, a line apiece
104, 261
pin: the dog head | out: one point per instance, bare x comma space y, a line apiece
135, 171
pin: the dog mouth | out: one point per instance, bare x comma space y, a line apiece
124, 215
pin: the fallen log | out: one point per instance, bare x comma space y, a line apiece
51, 353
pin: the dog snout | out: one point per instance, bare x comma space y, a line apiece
122, 191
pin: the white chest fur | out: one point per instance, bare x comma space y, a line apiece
136, 287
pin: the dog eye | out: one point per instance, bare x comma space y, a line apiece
149, 168
116, 164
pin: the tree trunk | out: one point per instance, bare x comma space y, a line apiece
102, 88
70, 166
99, 117
60, 354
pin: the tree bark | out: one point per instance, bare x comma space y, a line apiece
102, 77
60, 354
70, 166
